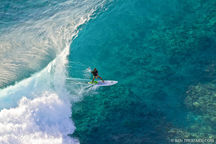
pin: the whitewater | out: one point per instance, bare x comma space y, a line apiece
35, 103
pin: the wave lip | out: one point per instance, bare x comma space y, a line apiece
27, 47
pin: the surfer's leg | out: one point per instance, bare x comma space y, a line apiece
101, 78
93, 79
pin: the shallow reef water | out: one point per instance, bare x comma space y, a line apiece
163, 53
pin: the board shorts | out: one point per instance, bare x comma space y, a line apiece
96, 75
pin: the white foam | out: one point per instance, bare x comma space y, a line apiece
43, 120
38, 109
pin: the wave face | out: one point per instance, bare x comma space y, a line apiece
32, 34
34, 45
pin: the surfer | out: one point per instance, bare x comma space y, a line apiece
95, 75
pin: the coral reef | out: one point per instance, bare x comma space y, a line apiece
200, 101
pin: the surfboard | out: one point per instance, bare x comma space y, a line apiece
94, 83
105, 83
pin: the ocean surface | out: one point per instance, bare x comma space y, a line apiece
161, 52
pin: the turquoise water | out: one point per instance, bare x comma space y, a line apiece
156, 50
161, 52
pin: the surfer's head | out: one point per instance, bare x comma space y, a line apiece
95, 69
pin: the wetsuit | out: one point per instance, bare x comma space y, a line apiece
95, 73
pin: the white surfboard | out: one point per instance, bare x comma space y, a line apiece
105, 83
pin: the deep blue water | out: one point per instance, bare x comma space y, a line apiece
161, 52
